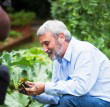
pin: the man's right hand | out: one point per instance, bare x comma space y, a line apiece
35, 88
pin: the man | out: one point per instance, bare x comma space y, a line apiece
4, 72
81, 72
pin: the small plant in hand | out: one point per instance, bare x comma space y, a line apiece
22, 85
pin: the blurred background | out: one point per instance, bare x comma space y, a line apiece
87, 20
26, 16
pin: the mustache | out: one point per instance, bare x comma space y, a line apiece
49, 52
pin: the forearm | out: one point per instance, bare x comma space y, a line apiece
62, 87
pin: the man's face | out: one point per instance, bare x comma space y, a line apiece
51, 46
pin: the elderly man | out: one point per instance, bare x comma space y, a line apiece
81, 72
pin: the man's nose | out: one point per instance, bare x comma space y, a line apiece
45, 49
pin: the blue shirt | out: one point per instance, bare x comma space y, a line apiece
84, 69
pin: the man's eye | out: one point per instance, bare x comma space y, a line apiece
47, 44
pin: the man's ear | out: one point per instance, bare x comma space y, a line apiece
61, 37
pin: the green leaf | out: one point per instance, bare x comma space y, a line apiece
6, 58
16, 100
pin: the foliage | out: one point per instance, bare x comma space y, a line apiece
30, 64
107, 52
19, 100
21, 18
14, 34
87, 20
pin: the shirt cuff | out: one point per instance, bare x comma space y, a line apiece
48, 87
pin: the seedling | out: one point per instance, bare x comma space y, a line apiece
22, 85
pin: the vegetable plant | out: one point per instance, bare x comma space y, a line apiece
30, 64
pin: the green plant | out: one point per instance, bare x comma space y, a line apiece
107, 52
26, 63
21, 18
30, 64
19, 100
87, 20
14, 34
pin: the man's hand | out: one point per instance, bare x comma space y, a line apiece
36, 88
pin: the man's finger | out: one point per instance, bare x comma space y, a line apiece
28, 89
30, 83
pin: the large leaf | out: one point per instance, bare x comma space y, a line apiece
16, 100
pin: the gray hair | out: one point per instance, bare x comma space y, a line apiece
55, 27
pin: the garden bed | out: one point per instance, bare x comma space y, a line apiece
23, 25
19, 41
26, 36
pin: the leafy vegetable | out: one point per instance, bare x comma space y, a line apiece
29, 64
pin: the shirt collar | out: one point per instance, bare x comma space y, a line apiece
68, 52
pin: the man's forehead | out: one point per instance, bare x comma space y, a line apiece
46, 37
